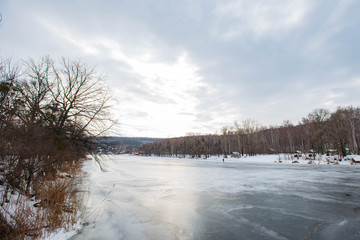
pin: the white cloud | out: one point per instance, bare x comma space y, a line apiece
340, 10
171, 87
258, 17
166, 89
356, 81
64, 33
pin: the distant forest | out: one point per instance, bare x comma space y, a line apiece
112, 144
320, 132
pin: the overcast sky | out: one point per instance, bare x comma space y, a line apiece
197, 65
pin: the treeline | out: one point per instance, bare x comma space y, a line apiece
117, 145
320, 131
48, 113
131, 141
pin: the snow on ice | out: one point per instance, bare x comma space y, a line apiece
241, 198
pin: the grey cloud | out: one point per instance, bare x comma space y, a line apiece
139, 114
280, 74
186, 114
141, 93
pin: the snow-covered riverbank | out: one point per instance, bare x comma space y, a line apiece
277, 158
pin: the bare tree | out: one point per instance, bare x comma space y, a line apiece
317, 123
226, 139
10, 94
240, 138
48, 116
251, 128
68, 96
345, 129
339, 131
353, 119
36, 90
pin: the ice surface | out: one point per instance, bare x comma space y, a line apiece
253, 198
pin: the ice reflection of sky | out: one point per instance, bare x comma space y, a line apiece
159, 198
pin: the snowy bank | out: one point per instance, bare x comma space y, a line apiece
275, 158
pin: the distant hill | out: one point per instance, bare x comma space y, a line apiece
128, 141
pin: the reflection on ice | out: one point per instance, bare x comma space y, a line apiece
167, 198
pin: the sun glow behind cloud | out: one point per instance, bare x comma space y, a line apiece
168, 103
171, 87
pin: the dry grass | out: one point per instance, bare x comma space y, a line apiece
55, 205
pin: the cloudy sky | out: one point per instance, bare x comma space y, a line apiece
197, 65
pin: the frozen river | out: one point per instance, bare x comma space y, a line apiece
138, 198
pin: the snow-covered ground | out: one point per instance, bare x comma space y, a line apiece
248, 198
